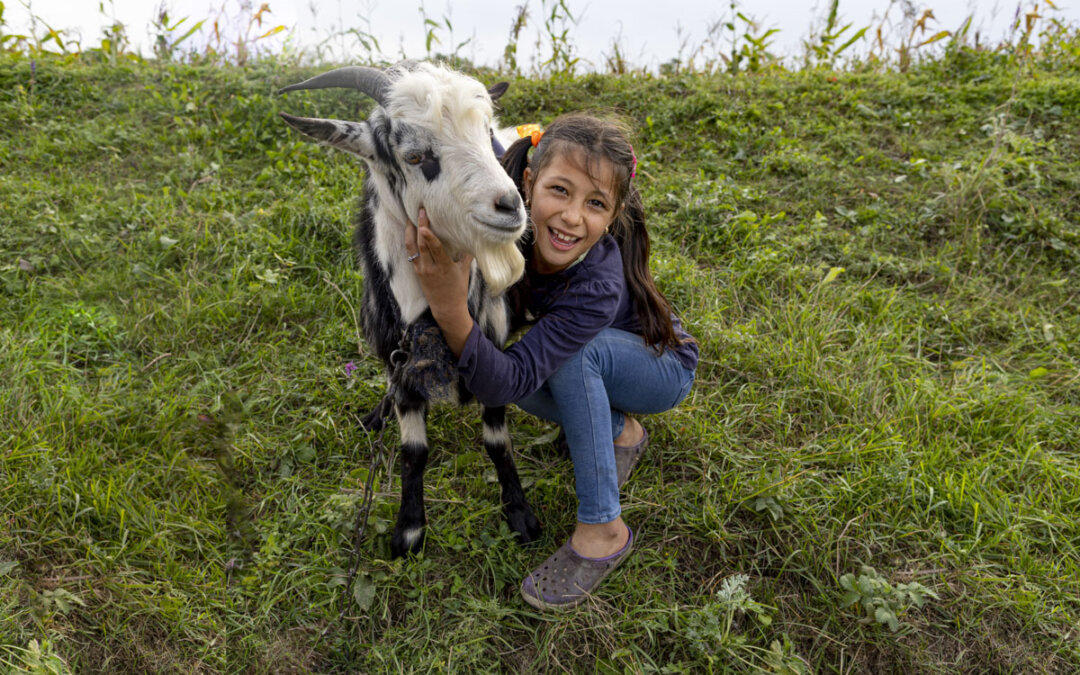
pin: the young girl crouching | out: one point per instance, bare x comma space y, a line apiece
603, 344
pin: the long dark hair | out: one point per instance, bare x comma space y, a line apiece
602, 140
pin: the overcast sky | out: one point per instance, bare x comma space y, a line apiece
648, 32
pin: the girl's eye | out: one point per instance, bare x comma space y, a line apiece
598, 204
558, 188
414, 158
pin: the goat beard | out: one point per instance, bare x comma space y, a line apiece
501, 266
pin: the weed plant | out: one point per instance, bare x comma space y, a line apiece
237, 32
876, 471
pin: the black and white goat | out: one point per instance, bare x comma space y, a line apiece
428, 143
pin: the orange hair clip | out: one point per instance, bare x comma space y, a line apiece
533, 131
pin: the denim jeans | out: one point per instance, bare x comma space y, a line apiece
587, 396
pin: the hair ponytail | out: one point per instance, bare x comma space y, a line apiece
652, 308
515, 160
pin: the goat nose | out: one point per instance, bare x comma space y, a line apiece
508, 202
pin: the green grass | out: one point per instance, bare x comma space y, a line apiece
880, 270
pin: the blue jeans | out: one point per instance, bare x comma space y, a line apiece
588, 395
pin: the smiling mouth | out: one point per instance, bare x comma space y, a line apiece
560, 241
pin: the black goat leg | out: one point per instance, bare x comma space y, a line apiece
519, 514
408, 534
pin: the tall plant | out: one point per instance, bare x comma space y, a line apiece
750, 49
557, 25
824, 47
510, 52
168, 36
432, 27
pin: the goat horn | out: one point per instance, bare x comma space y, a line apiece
371, 81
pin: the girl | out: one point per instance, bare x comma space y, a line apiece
603, 343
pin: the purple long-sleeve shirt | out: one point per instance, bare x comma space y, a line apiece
572, 307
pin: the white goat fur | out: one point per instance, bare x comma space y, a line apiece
458, 107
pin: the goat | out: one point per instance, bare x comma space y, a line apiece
429, 143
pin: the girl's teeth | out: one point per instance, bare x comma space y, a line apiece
562, 241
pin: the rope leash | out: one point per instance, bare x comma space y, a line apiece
398, 358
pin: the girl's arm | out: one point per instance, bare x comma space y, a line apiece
497, 377
444, 281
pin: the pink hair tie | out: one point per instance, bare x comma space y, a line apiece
633, 164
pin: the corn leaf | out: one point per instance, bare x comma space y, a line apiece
189, 32
854, 38
273, 31
937, 36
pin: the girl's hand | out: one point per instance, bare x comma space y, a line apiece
445, 282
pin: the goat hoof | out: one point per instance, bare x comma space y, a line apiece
524, 523
406, 540
373, 421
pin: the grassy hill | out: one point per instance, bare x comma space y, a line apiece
880, 268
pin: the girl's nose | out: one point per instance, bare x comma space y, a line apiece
573, 214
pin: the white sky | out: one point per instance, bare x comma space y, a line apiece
649, 32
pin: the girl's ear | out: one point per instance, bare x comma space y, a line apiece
527, 183
615, 218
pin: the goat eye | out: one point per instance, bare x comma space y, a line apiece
414, 158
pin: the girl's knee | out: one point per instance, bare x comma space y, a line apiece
596, 359
596, 354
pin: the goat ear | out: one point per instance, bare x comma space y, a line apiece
352, 137
497, 90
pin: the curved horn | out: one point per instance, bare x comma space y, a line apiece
371, 81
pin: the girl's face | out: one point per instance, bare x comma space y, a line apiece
570, 209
